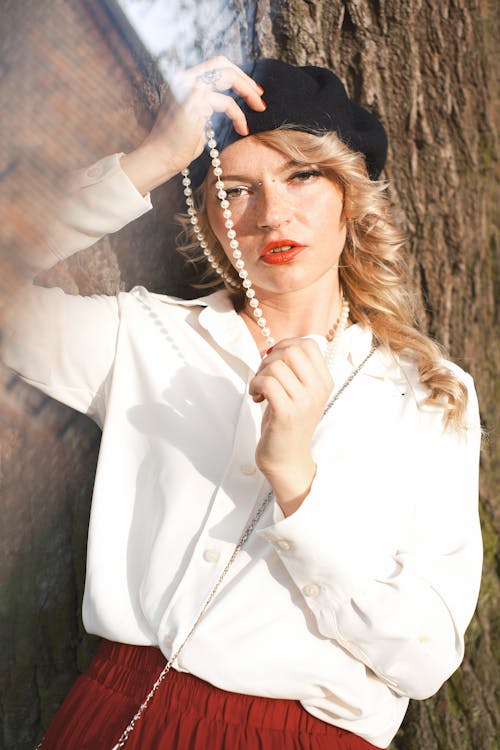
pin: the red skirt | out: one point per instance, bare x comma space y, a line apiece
186, 713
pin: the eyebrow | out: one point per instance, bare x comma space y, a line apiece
246, 178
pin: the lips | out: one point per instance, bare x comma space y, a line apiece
281, 251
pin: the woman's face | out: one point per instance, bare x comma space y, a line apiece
287, 217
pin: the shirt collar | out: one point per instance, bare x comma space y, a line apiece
229, 331
219, 318
355, 346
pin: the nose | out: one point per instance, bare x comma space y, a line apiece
274, 208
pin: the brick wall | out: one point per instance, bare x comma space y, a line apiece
74, 89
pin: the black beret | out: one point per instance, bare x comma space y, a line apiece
310, 99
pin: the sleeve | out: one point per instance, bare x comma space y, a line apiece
98, 201
402, 613
65, 344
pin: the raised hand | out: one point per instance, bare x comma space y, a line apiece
296, 383
178, 134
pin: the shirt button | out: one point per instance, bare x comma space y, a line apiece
248, 469
169, 641
95, 171
211, 555
311, 590
284, 544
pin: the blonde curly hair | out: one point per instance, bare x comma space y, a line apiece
373, 273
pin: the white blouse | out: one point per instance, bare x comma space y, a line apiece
351, 605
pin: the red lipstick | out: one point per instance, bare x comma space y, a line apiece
281, 251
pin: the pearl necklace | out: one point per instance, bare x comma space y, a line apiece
334, 334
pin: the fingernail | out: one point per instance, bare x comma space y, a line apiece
264, 103
260, 88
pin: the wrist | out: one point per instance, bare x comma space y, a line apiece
146, 169
291, 487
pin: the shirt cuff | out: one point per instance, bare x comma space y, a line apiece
98, 200
320, 554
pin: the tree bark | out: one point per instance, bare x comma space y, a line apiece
424, 67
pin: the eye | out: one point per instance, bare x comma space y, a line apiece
306, 175
236, 192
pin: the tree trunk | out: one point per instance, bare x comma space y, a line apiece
423, 66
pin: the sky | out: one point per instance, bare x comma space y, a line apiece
180, 33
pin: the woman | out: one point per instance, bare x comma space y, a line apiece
293, 423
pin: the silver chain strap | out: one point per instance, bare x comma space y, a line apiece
242, 541
166, 669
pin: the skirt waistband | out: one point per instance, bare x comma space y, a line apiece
185, 713
132, 670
